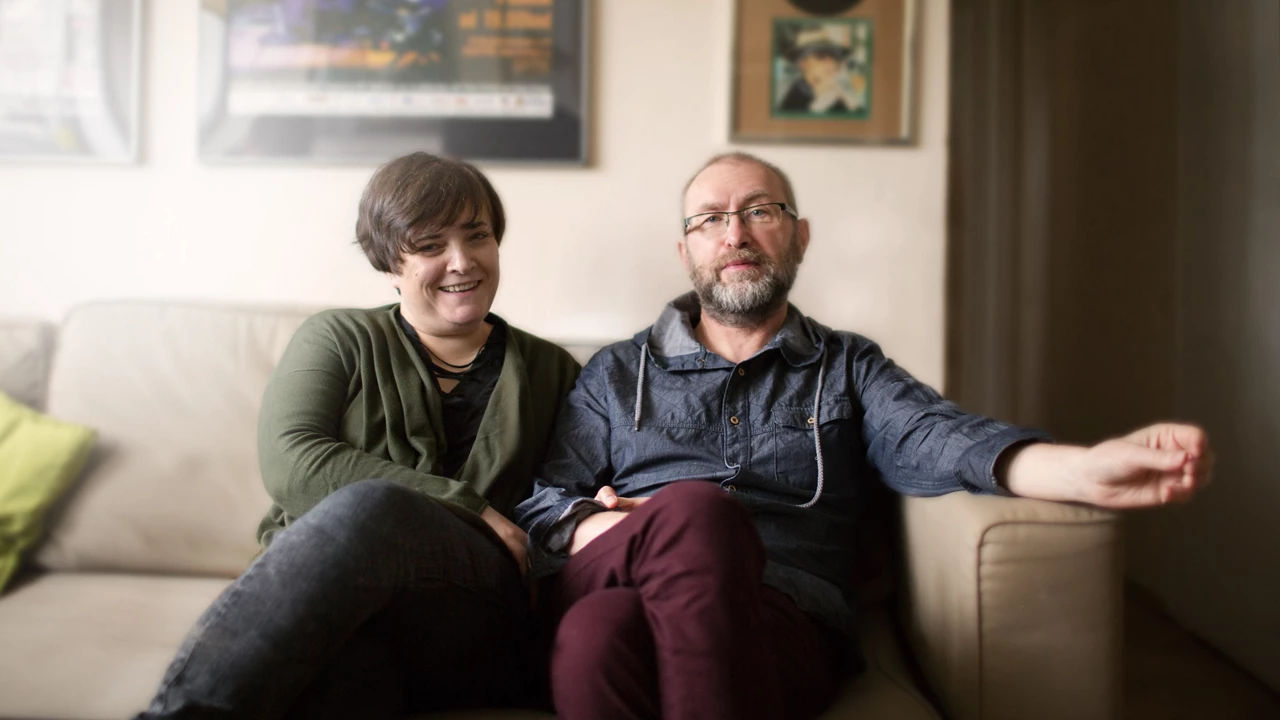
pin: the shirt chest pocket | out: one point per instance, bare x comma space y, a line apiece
793, 450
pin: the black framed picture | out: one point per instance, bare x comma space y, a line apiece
365, 80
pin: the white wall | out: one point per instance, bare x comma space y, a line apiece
582, 259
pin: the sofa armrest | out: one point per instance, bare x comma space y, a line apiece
1013, 606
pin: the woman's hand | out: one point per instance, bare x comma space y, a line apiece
511, 535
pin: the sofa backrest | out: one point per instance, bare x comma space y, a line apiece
173, 391
25, 349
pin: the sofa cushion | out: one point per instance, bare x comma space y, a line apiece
95, 645
39, 457
88, 645
889, 685
173, 391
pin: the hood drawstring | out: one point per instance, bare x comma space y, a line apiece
817, 424
644, 351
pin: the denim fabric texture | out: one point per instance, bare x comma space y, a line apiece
377, 602
661, 408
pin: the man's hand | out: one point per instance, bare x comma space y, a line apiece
595, 525
608, 497
1154, 465
510, 534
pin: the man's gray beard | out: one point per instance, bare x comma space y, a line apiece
748, 303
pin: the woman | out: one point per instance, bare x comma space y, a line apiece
394, 442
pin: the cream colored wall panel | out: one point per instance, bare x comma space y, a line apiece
590, 252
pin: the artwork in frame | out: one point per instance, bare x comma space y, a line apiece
824, 71
360, 81
69, 80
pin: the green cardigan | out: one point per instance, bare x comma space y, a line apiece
351, 399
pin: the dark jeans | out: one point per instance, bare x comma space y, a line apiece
377, 602
666, 616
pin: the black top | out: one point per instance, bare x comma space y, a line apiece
463, 407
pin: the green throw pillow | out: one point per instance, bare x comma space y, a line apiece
39, 459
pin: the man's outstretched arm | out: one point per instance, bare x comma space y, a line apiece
1154, 465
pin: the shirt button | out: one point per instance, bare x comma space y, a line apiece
733, 420
741, 372
810, 421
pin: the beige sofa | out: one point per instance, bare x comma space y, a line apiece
1011, 608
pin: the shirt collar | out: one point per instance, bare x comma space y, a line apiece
674, 346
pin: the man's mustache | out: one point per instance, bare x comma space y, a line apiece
752, 256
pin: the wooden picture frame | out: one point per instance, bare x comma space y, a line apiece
824, 71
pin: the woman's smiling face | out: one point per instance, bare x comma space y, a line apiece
449, 276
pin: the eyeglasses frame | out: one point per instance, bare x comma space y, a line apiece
728, 213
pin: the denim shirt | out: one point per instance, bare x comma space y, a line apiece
794, 432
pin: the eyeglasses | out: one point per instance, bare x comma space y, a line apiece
717, 223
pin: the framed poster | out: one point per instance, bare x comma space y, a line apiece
366, 80
69, 80
824, 70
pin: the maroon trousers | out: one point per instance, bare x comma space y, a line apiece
665, 615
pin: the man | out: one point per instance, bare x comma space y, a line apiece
702, 489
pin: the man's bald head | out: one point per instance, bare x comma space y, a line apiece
742, 157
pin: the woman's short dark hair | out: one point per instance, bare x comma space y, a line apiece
420, 192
